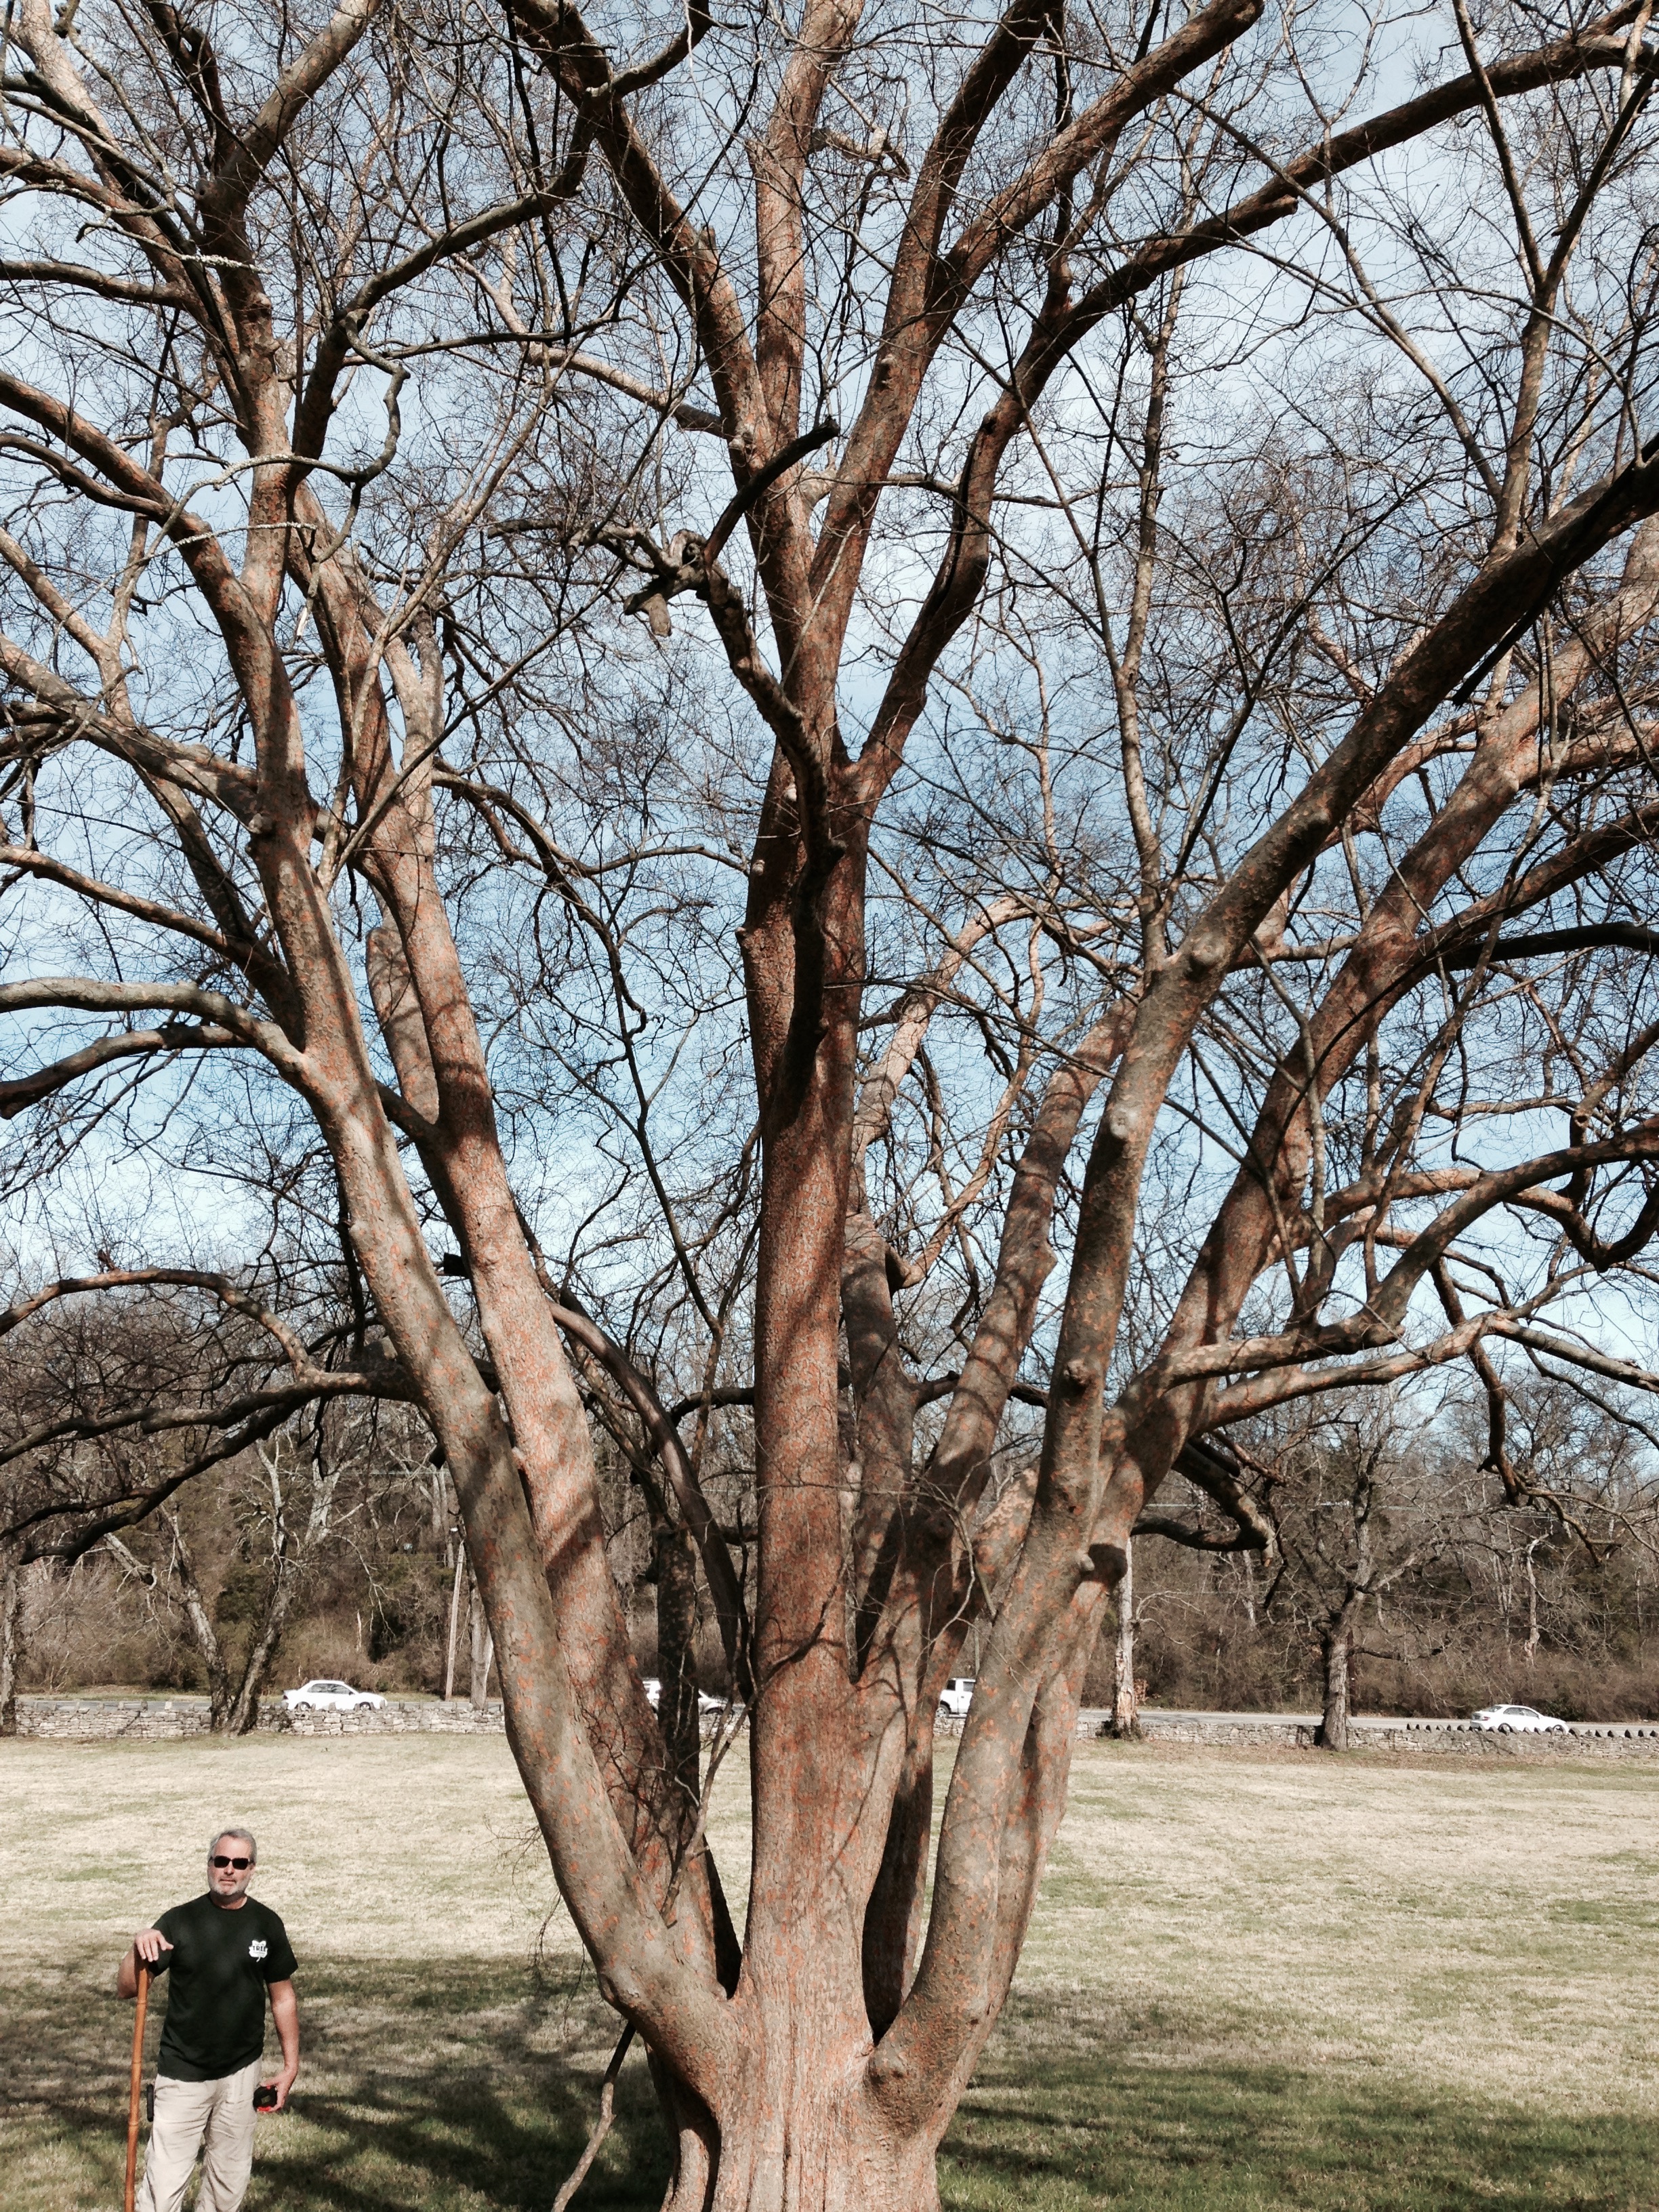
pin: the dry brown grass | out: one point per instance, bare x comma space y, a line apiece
1492, 1931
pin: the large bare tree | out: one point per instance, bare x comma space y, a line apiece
1116, 536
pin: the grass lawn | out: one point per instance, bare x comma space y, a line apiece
1255, 1979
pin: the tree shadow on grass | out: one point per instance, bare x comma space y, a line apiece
460, 2083
469, 2085
1064, 2113
438, 2140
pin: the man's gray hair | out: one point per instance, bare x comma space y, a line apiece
242, 1836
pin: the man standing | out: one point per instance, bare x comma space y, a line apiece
224, 1951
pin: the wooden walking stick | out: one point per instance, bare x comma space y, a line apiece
137, 2083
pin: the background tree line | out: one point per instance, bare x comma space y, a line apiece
1401, 1579
1393, 1561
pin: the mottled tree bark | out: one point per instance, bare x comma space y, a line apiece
1126, 1712
11, 1639
1336, 1654
481, 1652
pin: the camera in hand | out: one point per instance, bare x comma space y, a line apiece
265, 2097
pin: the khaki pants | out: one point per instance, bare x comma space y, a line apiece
185, 2111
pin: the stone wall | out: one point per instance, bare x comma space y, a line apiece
397, 1716
1440, 1738
1458, 1738
1454, 1739
153, 1719
1246, 1728
86, 1719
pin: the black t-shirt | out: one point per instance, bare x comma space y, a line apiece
221, 1962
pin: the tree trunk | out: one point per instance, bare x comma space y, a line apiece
833, 2154
834, 2142
1336, 1647
11, 1610
1126, 1711
674, 1571
1532, 1602
244, 1706
454, 1622
205, 1635
483, 1651
279, 1597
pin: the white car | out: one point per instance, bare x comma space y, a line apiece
705, 1703
1516, 1720
958, 1694
331, 1698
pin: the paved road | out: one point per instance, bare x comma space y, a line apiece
1155, 1713
1152, 1715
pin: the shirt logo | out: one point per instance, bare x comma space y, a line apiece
257, 1948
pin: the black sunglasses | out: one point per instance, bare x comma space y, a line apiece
240, 1865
